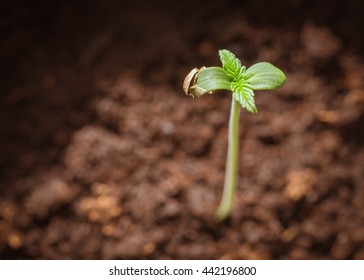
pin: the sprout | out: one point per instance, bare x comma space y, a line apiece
241, 82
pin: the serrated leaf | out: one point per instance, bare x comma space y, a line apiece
244, 94
263, 75
231, 65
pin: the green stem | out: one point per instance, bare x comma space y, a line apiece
226, 203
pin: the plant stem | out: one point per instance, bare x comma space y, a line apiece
226, 203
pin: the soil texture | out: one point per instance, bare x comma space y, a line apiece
102, 156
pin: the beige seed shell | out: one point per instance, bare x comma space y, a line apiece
190, 80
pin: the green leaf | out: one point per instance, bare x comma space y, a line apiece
244, 94
263, 75
213, 78
231, 65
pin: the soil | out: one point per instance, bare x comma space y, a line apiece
104, 157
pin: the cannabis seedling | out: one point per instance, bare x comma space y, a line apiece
241, 82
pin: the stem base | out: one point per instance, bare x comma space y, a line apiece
224, 209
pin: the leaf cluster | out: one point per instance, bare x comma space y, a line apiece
243, 82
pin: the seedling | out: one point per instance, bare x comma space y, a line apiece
241, 82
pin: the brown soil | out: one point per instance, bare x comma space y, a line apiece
104, 157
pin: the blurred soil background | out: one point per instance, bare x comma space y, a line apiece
102, 156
